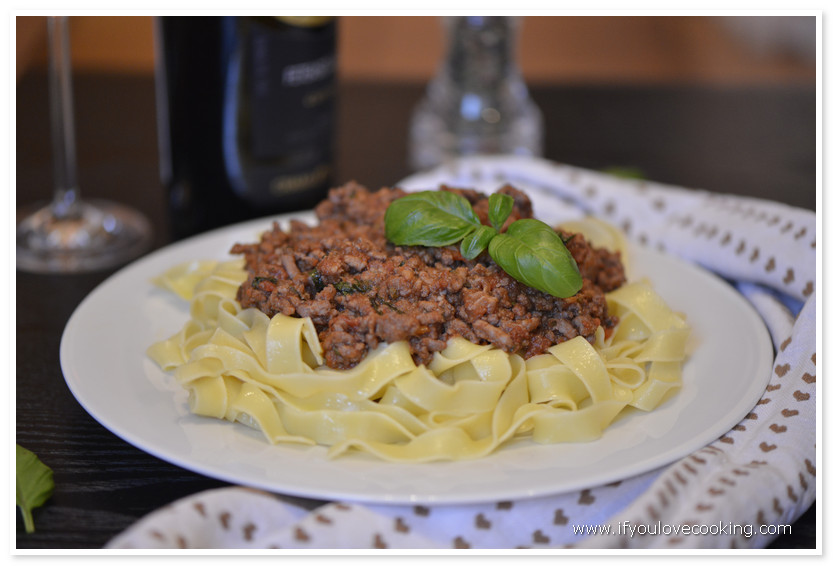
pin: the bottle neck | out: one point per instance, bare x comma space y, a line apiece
481, 52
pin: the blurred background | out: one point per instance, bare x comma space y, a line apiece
552, 49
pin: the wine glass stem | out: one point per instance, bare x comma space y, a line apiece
63, 125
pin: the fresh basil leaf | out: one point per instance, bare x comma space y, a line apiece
477, 241
34, 485
533, 253
429, 218
500, 207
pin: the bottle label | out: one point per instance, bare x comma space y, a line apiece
291, 90
294, 183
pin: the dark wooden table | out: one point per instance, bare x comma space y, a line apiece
750, 141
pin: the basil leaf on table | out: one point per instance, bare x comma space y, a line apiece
429, 218
34, 485
477, 241
500, 207
533, 253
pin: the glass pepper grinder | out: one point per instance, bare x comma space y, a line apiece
477, 103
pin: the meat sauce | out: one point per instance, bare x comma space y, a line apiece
359, 290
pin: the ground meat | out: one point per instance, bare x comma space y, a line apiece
360, 291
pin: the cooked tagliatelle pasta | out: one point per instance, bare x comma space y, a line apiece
240, 365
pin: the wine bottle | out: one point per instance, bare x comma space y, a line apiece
246, 116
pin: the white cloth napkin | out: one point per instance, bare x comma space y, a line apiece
738, 492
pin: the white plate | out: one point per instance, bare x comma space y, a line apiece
104, 363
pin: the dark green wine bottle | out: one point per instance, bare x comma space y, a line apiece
246, 116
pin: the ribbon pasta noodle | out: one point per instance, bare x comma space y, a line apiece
239, 365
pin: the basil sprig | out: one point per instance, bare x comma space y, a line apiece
529, 251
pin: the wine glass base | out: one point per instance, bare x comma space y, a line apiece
99, 235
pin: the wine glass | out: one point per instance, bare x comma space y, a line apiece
69, 234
